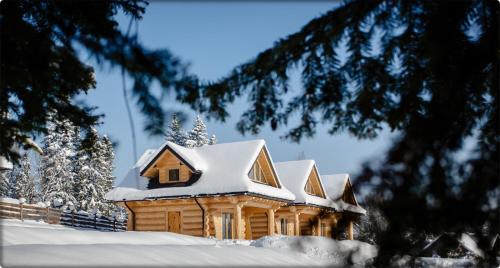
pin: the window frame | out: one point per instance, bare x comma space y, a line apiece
309, 188
170, 174
284, 226
322, 229
256, 174
227, 225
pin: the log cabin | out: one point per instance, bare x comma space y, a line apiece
311, 212
228, 191
340, 190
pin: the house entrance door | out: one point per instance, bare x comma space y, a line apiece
174, 221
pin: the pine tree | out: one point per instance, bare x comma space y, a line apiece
5, 182
76, 163
89, 183
369, 66
198, 135
56, 163
175, 133
25, 182
213, 140
95, 32
108, 155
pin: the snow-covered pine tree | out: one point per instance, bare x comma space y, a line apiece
5, 183
213, 140
79, 160
198, 135
25, 181
56, 163
175, 132
108, 156
89, 182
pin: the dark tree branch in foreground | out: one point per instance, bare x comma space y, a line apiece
427, 69
41, 69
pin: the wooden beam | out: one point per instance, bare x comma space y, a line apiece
318, 227
270, 221
237, 221
258, 204
206, 226
350, 230
248, 227
296, 223
216, 218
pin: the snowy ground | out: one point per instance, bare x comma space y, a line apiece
38, 244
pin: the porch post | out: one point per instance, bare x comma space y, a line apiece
296, 223
350, 231
270, 221
318, 227
206, 226
248, 226
237, 221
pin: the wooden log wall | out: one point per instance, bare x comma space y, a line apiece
258, 222
305, 226
153, 216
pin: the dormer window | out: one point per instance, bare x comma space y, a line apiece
173, 175
256, 174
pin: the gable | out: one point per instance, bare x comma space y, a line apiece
262, 170
348, 194
166, 164
313, 185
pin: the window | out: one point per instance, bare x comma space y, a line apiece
309, 188
284, 226
227, 230
173, 175
256, 173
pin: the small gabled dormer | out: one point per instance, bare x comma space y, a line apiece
348, 194
262, 170
313, 184
168, 169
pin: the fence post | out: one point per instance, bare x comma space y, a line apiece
48, 214
72, 218
95, 221
21, 211
114, 224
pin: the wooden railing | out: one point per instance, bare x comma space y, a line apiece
58, 216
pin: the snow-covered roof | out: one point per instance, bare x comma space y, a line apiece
5, 164
224, 169
294, 175
335, 184
189, 155
132, 179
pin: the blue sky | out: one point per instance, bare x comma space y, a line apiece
214, 38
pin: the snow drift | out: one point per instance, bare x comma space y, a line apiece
323, 249
56, 245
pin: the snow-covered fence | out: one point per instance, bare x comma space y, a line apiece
14, 210
83, 219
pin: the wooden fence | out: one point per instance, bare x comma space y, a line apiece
87, 220
29, 212
58, 216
